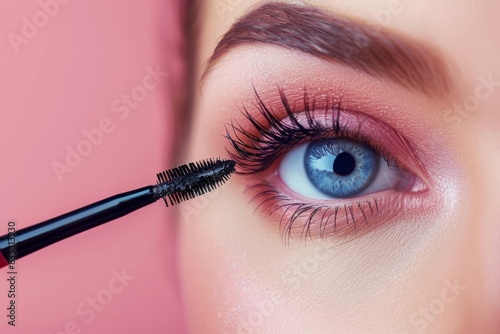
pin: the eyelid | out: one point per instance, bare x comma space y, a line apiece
341, 219
383, 138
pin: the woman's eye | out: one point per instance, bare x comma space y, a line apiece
338, 168
318, 168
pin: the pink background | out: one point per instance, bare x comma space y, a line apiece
60, 82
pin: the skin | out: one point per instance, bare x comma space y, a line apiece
434, 270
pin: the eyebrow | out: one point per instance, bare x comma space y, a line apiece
364, 47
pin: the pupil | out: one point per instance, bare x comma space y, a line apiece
344, 164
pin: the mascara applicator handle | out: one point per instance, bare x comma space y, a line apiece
33, 238
177, 184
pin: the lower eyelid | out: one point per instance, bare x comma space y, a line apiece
340, 219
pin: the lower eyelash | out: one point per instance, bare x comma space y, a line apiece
337, 219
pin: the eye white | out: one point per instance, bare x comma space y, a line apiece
293, 174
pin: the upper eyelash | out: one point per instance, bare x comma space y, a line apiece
258, 145
255, 151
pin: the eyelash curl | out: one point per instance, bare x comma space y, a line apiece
256, 148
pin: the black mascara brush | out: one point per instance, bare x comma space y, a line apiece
173, 185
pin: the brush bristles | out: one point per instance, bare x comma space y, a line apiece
194, 179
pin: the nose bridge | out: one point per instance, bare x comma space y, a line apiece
483, 230
490, 241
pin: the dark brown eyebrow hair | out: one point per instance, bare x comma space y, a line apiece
336, 39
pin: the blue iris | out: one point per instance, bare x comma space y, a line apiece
340, 167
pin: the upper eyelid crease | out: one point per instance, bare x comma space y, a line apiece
262, 136
336, 39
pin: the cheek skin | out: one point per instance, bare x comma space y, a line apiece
238, 275
484, 231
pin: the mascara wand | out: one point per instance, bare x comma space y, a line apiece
173, 186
